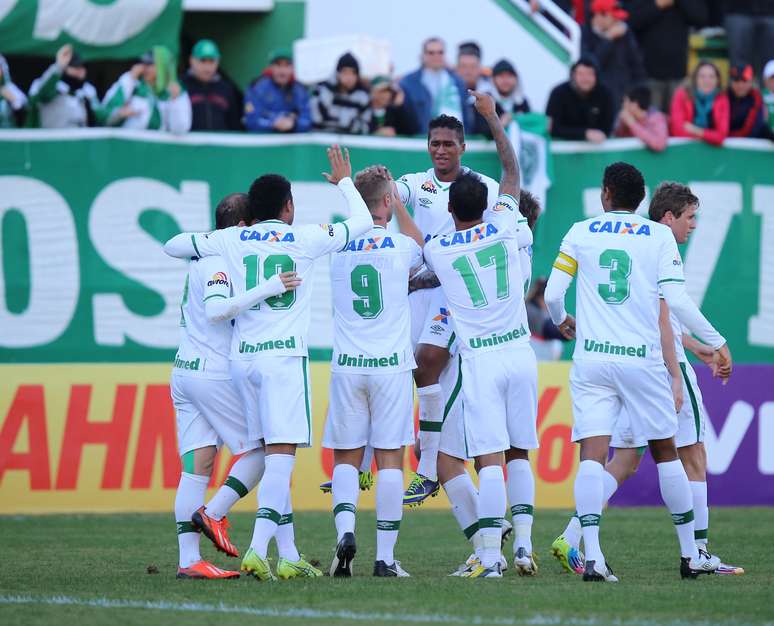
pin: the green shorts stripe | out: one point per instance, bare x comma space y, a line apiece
455, 390
694, 403
196, 249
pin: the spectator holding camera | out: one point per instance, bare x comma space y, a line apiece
342, 105
700, 109
639, 119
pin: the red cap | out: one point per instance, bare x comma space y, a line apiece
609, 6
741, 71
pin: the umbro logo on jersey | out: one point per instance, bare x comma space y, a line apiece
219, 278
619, 228
482, 231
429, 187
269, 235
369, 243
443, 316
425, 201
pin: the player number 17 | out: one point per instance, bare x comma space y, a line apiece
496, 255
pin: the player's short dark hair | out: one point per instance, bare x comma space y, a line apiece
467, 197
625, 184
231, 210
641, 95
671, 197
267, 196
529, 208
447, 121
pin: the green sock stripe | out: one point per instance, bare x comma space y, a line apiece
701, 534
522, 509
385, 524
188, 462
185, 527
490, 522
590, 519
430, 427
344, 506
285, 519
236, 485
269, 514
471, 530
682, 518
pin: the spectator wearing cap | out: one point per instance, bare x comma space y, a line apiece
61, 97
662, 28
747, 115
342, 105
768, 92
148, 96
700, 109
639, 119
508, 94
13, 102
215, 103
434, 89
607, 37
581, 108
389, 116
749, 26
275, 102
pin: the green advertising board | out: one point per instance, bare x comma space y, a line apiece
83, 216
98, 29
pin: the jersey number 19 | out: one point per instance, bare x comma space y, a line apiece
272, 264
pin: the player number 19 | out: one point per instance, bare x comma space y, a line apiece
272, 264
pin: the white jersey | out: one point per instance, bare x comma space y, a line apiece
278, 326
621, 259
677, 331
204, 346
525, 259
428, 200
372, 322
481, 277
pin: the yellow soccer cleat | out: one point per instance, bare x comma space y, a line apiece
479, 571
571, 558
302, 568
254, 565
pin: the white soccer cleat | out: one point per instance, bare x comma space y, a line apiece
524, 563
705, 564
602, 573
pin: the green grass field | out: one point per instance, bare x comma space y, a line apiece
92, 569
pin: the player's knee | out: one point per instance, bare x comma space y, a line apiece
449, 467
430, 363
513, 454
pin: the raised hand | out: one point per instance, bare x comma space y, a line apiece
340, 166
64, 55
484, 103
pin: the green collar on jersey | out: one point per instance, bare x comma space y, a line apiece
622, 211
379, 226
441, 184
270, 222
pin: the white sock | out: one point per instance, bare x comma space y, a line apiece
700, 512
345, 490
242, 478
573, 531
389, 512
609, 486
189, 497
272, 499
521, 495
368, 457
463, 498
286, 534
588, 502
430, 420
676, 494
491, 512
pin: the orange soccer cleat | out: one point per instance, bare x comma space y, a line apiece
203, 569
215, 530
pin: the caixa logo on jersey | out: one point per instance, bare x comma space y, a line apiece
218, 278
269, 235
476, 233
369, 244
619, 228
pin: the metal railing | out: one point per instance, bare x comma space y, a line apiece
568, 36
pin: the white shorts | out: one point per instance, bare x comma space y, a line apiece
691, 421
604, 392
499, 394
276, 394
453, 428
209, 413
373, 409
430, 321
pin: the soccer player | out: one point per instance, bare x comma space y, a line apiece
481, 278
622, 261
674, 205
426, 194
269, 348
207, 407
371, 391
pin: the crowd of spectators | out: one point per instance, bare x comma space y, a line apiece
630, 81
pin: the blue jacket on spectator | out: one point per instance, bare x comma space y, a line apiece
265, 101
419, 101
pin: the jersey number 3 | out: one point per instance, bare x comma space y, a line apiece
496, 255
620, 265
272, 264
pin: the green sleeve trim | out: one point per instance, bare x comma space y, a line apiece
671, 280
214, 295
196, 249
344, 224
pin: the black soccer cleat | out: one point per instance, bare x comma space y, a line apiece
705, 564
594, 574
382, 570
341, 567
